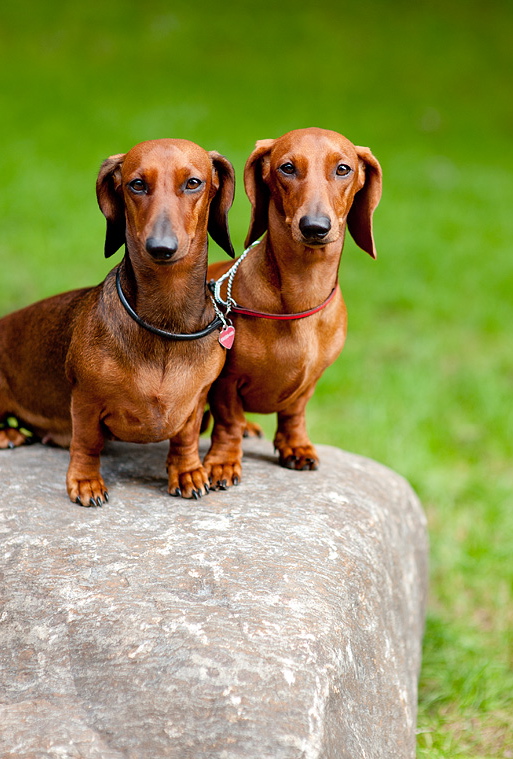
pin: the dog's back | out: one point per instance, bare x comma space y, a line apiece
34, 343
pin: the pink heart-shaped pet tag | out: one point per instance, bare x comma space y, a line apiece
226, 336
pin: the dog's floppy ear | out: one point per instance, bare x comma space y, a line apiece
257, 191
110, 200
359, 218
224, 178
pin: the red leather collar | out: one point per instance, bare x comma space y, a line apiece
284, 317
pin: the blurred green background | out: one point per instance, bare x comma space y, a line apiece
424, 383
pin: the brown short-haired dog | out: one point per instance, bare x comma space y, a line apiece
133, 358
287, 308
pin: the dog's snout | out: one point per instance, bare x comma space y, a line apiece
162, 242
314, 227
162, 248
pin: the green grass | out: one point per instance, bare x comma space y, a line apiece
425, 381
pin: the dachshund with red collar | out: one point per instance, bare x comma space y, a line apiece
288, 313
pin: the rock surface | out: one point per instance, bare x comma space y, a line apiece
279, 620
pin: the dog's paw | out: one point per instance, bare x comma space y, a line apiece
223, 476
88, 492
12, 438
301, 458
252, 430
13, 434
189, 484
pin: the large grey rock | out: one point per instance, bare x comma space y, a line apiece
278, 620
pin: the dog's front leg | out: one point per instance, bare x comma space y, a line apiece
186, 475
84, 482
291, 439
223, 461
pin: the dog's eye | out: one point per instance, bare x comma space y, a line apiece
193, 183
288, 168
137, 186
343, 170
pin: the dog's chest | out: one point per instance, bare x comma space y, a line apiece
282, 363
154, 406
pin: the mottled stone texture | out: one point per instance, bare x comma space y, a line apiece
278, 620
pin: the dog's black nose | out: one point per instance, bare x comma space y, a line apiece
314, 227
162, 248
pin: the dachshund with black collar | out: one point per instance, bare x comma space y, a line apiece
133, 358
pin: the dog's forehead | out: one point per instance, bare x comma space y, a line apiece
313, 142
169, 154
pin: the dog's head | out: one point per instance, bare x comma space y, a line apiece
316, 181
162, 196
